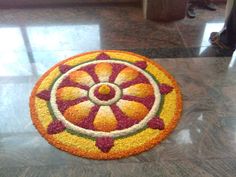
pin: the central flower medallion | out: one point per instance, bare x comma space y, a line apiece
104, 94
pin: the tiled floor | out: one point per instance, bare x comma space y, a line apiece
32, 40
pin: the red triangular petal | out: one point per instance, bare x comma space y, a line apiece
104, 143
165, 89
103, 56
45, 95
156, 123
64, 68
55, 127
141, 64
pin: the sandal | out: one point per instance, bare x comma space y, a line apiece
215, 40
191, 11
214, 36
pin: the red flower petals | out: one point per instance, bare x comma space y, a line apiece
165, 89
141, 64
116, 69
123, 120
140, 79
68, 83
64, 68
45, 95
55, 127
90, 69
104, 143
148, 101
156, 123
103, 56
126, 123
87, 123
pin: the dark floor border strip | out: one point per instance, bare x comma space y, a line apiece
210, 51
66, 4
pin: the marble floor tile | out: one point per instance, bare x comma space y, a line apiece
85, 28
195, 32
182, 168
195, 35
32, 40
205, 133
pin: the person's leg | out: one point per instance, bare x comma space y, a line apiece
227, 37
191, 9
209, 4
229, 6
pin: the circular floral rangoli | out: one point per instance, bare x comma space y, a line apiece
105, 104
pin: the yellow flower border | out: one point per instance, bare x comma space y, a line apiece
123, 147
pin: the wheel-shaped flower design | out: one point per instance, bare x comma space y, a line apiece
91, 104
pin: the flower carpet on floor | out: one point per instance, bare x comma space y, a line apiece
106, 104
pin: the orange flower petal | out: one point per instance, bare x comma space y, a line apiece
105, 120
132, 109
139, 90
81, 77
70, 93
127, 74
75, 114
103, 71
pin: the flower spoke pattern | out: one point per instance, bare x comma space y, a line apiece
82, 77
103, 71
139, 90
70, 93
105, 120
77, 113
133, 109
123, 120
127, 74
105, 96
128, 110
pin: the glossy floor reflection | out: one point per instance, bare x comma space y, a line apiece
203, 140
32, 40
47, 31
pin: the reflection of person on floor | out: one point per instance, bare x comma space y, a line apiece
226, 38
208, 4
